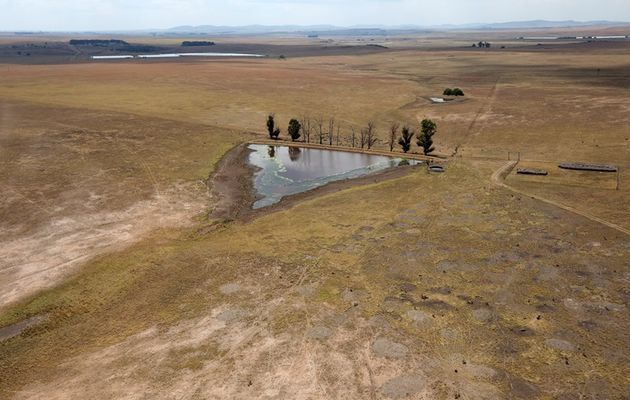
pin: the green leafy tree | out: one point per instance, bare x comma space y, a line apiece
271, 127
405, 140
448, 92
457, 92
425, 139
294, 129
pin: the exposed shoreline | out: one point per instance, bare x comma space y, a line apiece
231, 182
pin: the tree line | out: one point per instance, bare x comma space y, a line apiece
328, 131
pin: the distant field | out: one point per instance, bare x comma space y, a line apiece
442, 286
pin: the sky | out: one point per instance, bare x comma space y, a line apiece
79, 15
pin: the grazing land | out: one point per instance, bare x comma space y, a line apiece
119, 278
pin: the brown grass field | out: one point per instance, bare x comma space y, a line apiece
422, 286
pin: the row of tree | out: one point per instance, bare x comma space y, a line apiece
329, 132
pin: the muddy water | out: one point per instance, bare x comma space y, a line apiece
284, 170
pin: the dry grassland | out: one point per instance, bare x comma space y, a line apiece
425, 286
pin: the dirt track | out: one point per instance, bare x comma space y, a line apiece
498, 179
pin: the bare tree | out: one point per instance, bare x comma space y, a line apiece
331, 130
320, 128
306, 127
338, 133
353, 138
370, 135
363, 138
393, 135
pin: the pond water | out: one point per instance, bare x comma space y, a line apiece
176, 55
111, 57
285, 170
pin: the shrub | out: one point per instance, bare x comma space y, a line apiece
453, 92
294, 129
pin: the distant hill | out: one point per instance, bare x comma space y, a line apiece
379, 29
226, 30
538, 24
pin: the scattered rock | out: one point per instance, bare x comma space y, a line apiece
572, 305
353, 296
379, 321
231, 315
383, 347
521, 389
481, 371
420, 318
407, 287
588, 325
320, 332
450, 335
306, 291
403, 386
446, 265
560, 344
482, 314
230, 288
442, 290
436, 305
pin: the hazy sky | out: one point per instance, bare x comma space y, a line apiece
142, 14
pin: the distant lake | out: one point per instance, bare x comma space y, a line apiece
111, 57
288, 170
176, 55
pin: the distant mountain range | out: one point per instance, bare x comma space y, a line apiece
375, 29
